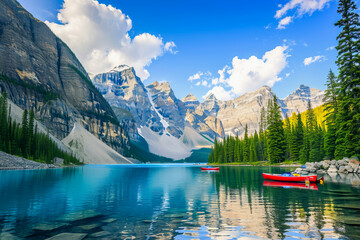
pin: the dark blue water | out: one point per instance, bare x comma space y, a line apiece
181, 202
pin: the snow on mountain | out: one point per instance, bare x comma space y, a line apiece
92, 150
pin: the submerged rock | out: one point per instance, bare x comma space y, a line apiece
100, 234
50, 226
68, 236
75, 216
8, 236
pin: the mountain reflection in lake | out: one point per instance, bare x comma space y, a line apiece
174, 201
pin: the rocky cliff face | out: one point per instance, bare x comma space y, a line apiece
129, 98
298, 100
154, 113
245, 110
39, 72
168, 106
200, 118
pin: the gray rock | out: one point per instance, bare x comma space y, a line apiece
342, 169
298, 170
325, 166
50, 226
68, 236
309, 164
311, 170
8, 236
10, 162
353, 163
90, 226
100, 234
349, 169
303, 172
327, 161
333, 162
58, 161
320, 171
332, 169
317, 165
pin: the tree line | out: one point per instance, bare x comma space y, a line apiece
25, 140
336, 137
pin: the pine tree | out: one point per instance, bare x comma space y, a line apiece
287, 133
312, 135
331, 109
24, 134
256, 147
348, 60
275, 136
262, 135
246, 149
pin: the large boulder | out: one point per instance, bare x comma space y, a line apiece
342, 169
325, 165
317, 165
333, 162
349, 169
327, 161
354, 163
332, 169
309, 164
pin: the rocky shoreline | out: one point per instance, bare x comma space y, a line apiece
11, 162
343, 166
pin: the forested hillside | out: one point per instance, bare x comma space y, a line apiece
331, 131
25, 140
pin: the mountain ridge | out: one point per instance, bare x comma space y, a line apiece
211, 118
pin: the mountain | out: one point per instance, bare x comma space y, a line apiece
154, 113
298, 100
39, 72
245, 110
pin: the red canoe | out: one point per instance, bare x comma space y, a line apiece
278, 177
311, 186
210, 168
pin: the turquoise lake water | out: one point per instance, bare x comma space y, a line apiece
174, 202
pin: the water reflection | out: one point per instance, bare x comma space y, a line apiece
181, 202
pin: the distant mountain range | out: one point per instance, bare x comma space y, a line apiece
40, 72
154, 113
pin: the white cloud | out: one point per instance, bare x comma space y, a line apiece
300, 7
198, 84
196, 76
220, 93
287, 75
330, 48
246, 75
284, 22
310, 60
204, 83
99, 36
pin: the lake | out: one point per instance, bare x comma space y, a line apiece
174, 202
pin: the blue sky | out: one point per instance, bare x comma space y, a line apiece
209, 34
